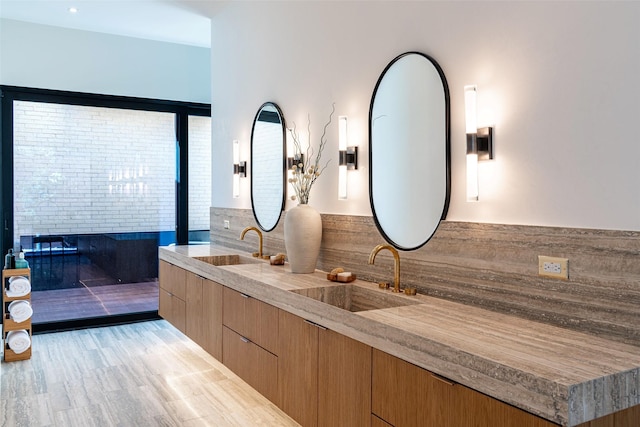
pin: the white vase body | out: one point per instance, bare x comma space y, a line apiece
302, 238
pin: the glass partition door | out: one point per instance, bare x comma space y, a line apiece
91, 185
94, 196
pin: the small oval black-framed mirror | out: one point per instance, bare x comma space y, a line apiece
268, 163
409, 150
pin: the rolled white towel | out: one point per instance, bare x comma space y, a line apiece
19, 341
20, 311
19, 286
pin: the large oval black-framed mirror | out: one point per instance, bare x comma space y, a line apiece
268, 163
409, 150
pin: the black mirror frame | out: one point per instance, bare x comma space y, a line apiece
284, 163
447, 149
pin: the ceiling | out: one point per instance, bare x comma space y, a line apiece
174, 21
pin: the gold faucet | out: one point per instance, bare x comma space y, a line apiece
396, 257
259, 254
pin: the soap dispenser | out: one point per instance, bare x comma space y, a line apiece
21, 262
10, 260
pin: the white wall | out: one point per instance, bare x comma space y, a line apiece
558, 80
48, 57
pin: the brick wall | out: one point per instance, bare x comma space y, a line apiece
199, 172
84, 169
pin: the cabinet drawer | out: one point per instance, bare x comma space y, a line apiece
298, 369
212, 318
377, 422
344, 381
252, 363
251, 318
429, 397
194, 322
436, 401
172, 279
473, 408
172, 309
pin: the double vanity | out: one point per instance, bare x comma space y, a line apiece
355, 354
331, 353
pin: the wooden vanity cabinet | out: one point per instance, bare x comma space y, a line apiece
193, 305
324, 378
172, 294
298, 369
251, 318
405, 395
204, 313
344, 380
250, 337
473, 409
255, 365
379, 422
629, 417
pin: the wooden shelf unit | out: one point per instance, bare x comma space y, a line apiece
9, 325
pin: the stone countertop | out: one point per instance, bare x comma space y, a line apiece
564, 376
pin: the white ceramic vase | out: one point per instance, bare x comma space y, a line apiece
302, 237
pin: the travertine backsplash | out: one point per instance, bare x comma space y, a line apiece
487, 265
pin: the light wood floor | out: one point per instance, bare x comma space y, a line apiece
143, 374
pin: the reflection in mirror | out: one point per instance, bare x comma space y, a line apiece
409, 158
268, 166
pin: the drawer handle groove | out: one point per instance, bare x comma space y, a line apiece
315, 324
442, 379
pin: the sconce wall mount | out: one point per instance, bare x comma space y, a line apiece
240, 169
481, 142
299, 158
349, 158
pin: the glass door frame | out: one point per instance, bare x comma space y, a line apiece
182, 111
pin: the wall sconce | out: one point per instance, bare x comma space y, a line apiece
239, 169
299, 158
479, 142
348, 157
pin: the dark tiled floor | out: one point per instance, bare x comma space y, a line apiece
87, 302
69, 286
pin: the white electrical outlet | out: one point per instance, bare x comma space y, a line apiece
226, 224
557, 268
552, 267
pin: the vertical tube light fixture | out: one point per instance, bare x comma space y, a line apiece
342, 166
239, 169
470, 115
479, 142
348, 157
